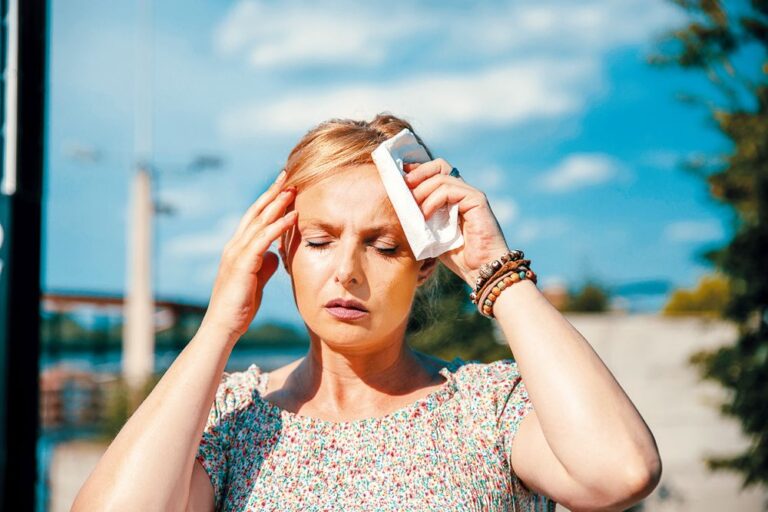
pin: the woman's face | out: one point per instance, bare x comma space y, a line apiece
350, 245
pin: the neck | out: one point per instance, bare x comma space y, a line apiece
355, 379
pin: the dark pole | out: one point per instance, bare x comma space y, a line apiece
23, 102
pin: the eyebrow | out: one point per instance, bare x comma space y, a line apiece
381, 228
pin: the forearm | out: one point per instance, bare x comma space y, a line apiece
588, 421
149, 464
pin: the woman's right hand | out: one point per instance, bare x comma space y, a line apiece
246, 265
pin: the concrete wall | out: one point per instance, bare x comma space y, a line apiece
648, 355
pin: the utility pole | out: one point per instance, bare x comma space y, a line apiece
139, 333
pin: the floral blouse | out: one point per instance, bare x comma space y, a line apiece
449, 450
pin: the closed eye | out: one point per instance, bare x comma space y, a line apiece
320, 246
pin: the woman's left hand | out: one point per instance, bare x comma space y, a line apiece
433, 188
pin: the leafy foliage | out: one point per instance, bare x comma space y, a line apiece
445, 323
709, 298
591, 297
729, 43
61, 332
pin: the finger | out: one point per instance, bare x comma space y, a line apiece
255, 209
269, 214
437, 163
276, 208
430, 184
427, 169
261, 240
449, 194
285, 241
269, 264
409, 166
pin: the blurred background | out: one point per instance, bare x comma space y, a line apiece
623, 145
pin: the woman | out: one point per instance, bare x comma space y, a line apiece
363, 422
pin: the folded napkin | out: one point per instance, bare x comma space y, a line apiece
427, 238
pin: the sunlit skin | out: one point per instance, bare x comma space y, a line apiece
348, 243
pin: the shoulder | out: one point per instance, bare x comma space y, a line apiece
486, 377
237, 391
488, 389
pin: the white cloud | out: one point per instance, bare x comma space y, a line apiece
579, 170
585, 26
289, 34
203, 243
192, 201
536, 229
504, 209
488, 178
693, 231
522, 63
507, 95
298, 33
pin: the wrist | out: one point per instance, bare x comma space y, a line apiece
513, 295
471, 275
496, 277
215, 333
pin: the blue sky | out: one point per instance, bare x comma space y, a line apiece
549, 107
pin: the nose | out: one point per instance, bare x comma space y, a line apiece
348, 266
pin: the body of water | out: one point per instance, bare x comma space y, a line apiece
110, 362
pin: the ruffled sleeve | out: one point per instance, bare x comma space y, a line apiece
511, 406
512, 403
499, 400
235, 393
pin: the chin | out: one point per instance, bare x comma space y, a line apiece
340, 331
343, 336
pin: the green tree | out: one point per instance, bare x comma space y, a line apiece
709, 298
728, 42
446, 324
591, 297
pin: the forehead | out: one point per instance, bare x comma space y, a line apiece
352, 196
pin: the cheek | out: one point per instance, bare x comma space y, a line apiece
394, 290
307, 271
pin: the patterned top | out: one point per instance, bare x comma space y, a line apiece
449, 450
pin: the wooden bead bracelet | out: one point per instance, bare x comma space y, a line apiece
488, 270
492, 292
508, 274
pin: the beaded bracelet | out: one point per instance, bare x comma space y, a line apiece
506, 268
502, 269
488, 270
491, 292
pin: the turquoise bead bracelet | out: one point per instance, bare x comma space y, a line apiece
508, 275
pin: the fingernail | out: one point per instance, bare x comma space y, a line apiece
281, 176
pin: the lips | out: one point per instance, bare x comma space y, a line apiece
346, 313
345, 303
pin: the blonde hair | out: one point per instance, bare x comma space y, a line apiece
339, 143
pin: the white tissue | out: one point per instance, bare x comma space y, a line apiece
427, 238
